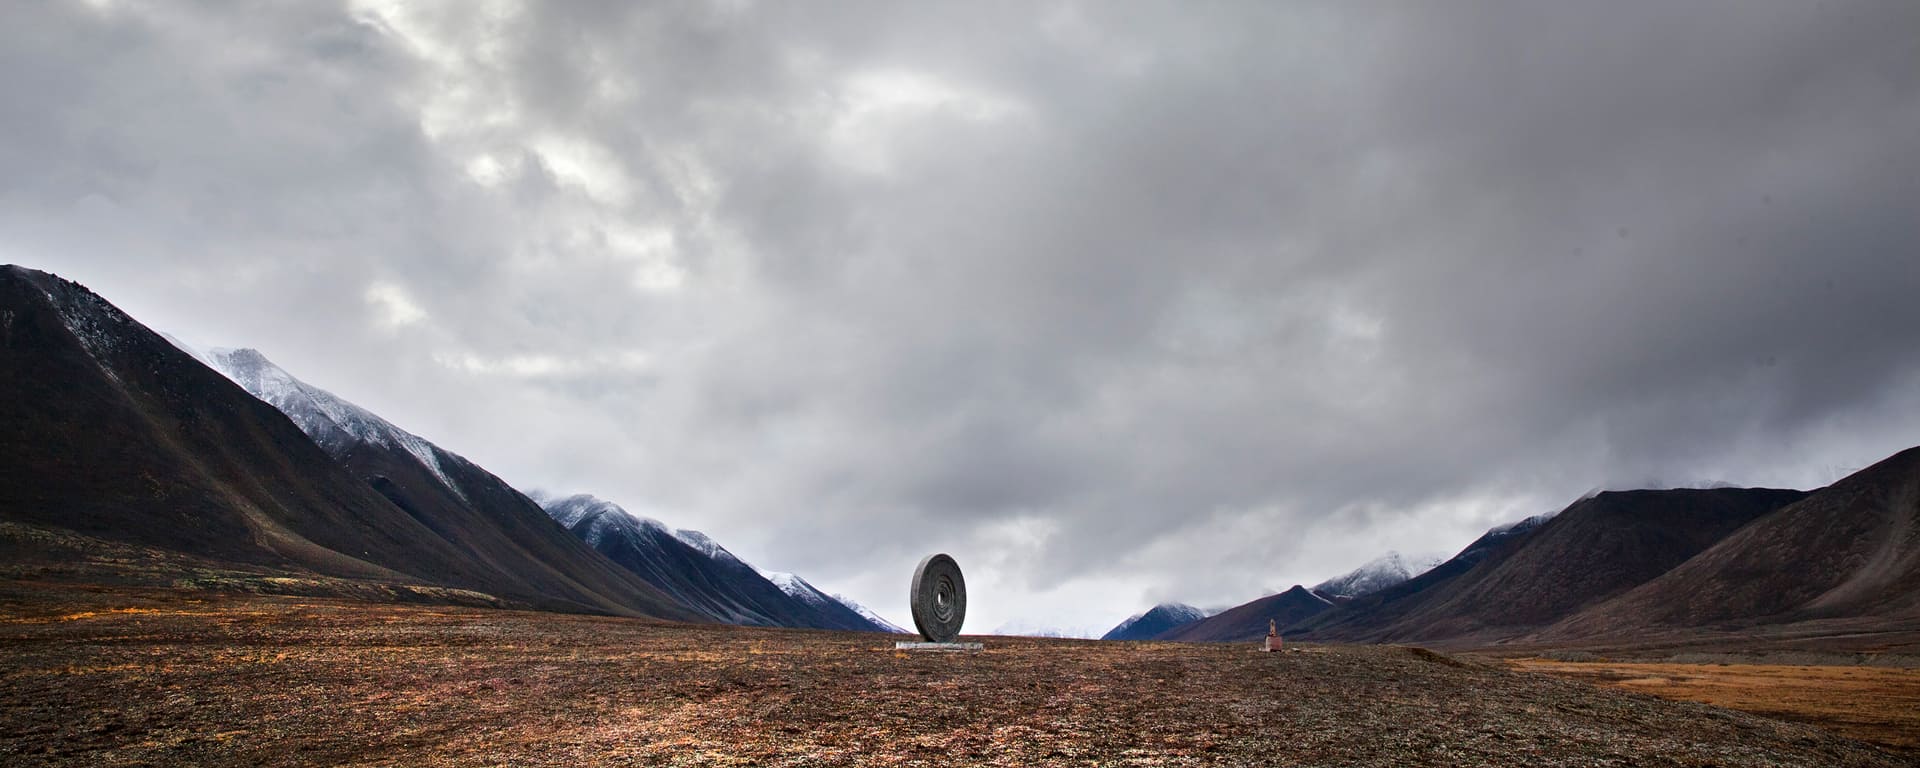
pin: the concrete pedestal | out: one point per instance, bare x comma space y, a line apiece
908, 645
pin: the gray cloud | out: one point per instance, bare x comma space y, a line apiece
1117, 303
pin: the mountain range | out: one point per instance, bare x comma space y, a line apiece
126, 459
113, 434
1379, 581
119, 437
1634, 566
1843, 560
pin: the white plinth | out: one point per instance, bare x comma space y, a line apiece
909, 645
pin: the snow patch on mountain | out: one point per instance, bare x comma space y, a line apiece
1527, 524
1173, 614
611, 518
707, 545
189, 349
95, 322
596, 520
1184, 612
570, 510
804, 591
331, 421
1378, 574
797, 588
869, 615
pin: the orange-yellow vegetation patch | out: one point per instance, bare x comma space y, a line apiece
1875, 704
94, 614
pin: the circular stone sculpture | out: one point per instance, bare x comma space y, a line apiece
939, 599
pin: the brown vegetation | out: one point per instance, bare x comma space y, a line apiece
142, 676
1876, 704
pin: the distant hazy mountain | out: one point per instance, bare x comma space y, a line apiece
1845, 559
699, 573
1378, 574
1155, 621
115, 433
1025, 628
1250, 621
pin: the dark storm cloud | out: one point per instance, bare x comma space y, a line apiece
1119, 302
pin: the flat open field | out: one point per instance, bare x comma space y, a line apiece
1876, 704
156, 677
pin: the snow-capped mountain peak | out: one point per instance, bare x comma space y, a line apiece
869, 615
800, 589
796, 587
1154, 621
694, 568
609, 518
706, 545
1176, 613
1378, 574
331, 421
1528, 523
570, 510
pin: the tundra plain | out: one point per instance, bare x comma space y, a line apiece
111, 676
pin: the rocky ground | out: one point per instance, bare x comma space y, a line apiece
128, 676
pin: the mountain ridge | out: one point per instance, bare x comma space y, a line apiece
1375, 575
488, 520
1551, 567
111, 431
1848, 553
1155, 621
698, 571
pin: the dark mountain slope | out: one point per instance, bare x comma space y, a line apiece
112, 432
1597, 548
482, 517
108, 430
1158, 620
1368, 616
695, 570
1249, 622
1850, 551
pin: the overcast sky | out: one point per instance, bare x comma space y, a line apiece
1115, 302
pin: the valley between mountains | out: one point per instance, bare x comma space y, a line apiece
206, 560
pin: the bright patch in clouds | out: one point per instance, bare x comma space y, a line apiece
546, 366
873, 108
393, 308
585, 165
